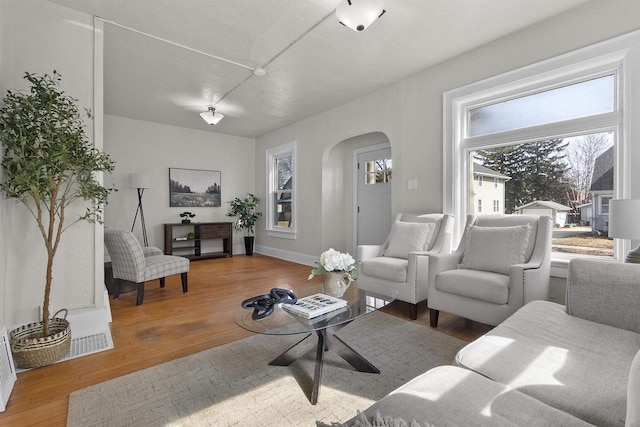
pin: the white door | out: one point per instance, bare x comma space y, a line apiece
374, 196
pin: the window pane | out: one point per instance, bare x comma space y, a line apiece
569, 102
282, 205
568, 179
283, 168
377, 171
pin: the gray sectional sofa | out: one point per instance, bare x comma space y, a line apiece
546, 365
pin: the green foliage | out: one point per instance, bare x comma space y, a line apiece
245, 210
48, 162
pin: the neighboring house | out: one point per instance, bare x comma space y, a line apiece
601, 191
586, 213
558, 212
488, 190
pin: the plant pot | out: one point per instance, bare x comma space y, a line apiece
335, 284
31, 350
248, 245
186, 221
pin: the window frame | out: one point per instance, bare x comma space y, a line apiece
591, 62
272, 154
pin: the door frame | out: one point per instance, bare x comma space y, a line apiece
354, 201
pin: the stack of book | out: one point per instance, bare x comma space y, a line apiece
315, 305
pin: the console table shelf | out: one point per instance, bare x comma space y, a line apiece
203, 232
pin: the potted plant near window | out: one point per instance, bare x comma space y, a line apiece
48, 164
245, 211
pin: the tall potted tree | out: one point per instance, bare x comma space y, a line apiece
48, 164
245, 211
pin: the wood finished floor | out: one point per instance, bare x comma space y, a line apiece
170, 325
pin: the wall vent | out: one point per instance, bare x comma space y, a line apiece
7, 370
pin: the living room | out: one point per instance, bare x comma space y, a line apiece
39, 36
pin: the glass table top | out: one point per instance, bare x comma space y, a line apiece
281, 322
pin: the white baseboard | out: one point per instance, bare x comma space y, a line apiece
287, 255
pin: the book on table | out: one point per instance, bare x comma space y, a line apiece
315, 305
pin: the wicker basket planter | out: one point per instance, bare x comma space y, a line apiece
31, 350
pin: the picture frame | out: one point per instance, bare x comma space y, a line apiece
194, 188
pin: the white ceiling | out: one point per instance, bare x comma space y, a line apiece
312, 62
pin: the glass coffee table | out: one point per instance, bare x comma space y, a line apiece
320, 331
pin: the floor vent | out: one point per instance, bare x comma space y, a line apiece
84, 346
7, 370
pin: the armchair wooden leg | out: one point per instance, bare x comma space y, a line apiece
116, 291
162, 282
413, 311
185, 286
140, 296
433, 317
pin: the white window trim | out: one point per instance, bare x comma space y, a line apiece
608, 56
271, 155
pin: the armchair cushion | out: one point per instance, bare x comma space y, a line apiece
496, 249
408, 237
386, 268
478, 285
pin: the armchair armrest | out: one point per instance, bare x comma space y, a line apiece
151, 251
605, 292
364, 252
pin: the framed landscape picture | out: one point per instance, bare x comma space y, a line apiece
194, 188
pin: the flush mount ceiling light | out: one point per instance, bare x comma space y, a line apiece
359, 14
211, 117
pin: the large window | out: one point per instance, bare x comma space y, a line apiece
280, 190
555, 131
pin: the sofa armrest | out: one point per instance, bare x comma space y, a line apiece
364, 252
605, 292
151, 251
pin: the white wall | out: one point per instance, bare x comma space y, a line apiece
38, 36
151, 148
410, 114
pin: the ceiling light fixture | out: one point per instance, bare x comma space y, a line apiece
211, 117
359, 14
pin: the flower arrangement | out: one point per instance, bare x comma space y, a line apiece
337, 262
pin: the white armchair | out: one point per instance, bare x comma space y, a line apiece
502, 262
402, 262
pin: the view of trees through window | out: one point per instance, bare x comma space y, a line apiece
283, 193
378, 171
569, 179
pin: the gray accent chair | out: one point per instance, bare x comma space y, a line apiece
134, 263
397, 264
497, 268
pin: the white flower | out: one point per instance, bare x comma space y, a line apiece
332, 260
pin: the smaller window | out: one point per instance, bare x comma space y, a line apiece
378, 171
480, 179
496, 205
479, 205
604, 204
280, 211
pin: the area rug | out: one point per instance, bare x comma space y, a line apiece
233, 385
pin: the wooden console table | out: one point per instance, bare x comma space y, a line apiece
176, 242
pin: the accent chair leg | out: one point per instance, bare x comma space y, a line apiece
116, 291
162, 282
413, 311
183, 278
140, 296
433, 317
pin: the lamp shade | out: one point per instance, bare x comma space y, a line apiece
140, 180
624, 218
211, 116
359, 14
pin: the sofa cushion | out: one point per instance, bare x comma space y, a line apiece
408, 237
575, 365
452, 396
495, 249
478, 285
387, 268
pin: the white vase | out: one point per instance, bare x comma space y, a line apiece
335, 284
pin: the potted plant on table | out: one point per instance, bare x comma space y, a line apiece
245, 211
48, 164
186, 217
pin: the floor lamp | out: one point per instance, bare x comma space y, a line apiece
624, 223
140, 181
